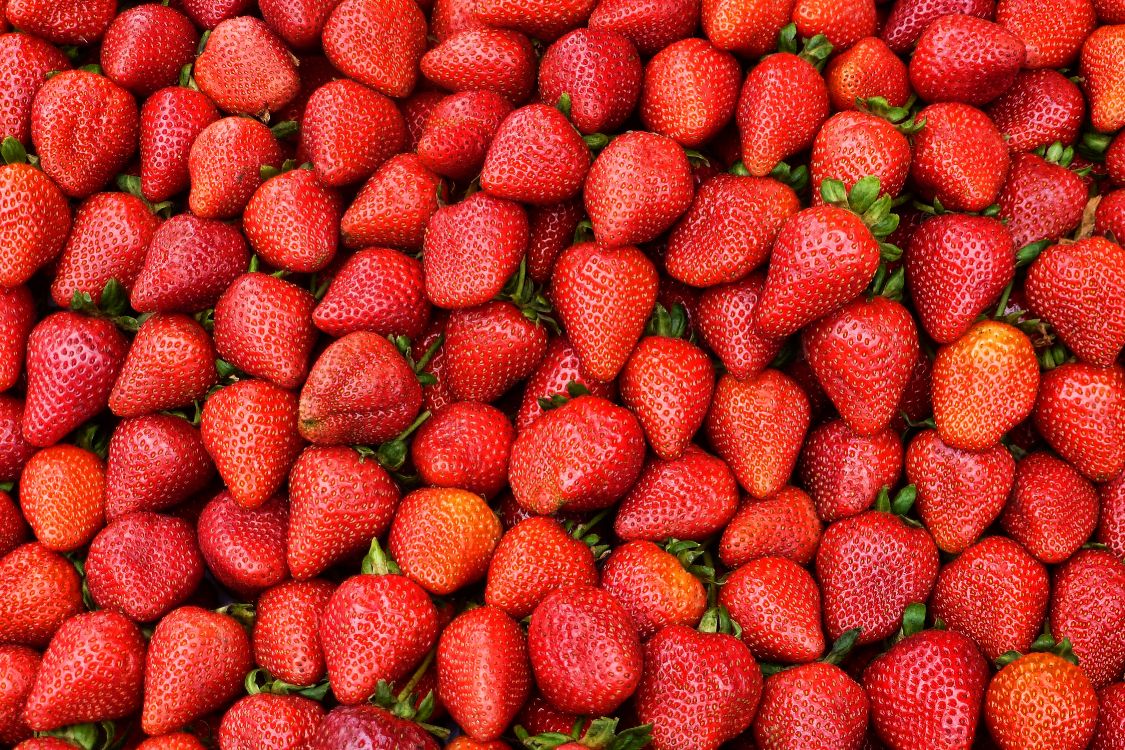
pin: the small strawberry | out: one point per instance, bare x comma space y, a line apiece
17, 320
690, 91
25, 61
557, 369
293, 222
370, 724
378, 290
286, 630
266, 720
1041, 107
816, 705
488, 349
34, 222
377, 42
844, 472
536, 18
486, 59
1111, 526
225, 165
656, 586
650, 26
170, 364
39, 591
909, 18
865, 70
536, 157
726, 316
1041, 700
458, 132
962, 58
145, 48
170, 120
394, 207
466, 446
1041, 200
18, 664
599, 71
1081, 414
1052, 510
245, 548
783, 525
1099, 66
155, 461
960, 158
349, 131
777, 604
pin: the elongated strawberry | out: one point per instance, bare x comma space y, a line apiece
286, 630
536, 18
25, 60
170, 120
377, 42
1102, 78
17, 320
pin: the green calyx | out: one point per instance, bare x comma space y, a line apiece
865, 200
1044, 644
900, 504
131, 184
574, 389
1093, 145
284, 129
268, 171
244, 614
718, 620
392, 454
602, 734
936, 208
888, 283
842, 647
13, 152
112, 304
1057, 153
261, 681
693, 556
523, 292
913, 620
93, 438
100, 735
405, 704
584, 532
814, 51
402, 343
378, 562
795, 177
902, 117
671, 323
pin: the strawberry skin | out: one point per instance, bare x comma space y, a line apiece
600, 71
467, 446
558, 367
852, 145
170, 120
286, 630
1100, 68
1041, 700
487, 350
18, 664
844, 472
155, 461
653, 586
749, 29
1088, 607
1041, 107
783, 525
62, 23
536, 18
1041, 200
246, 69
244, 547
866, 69
458, 131
269, 720
536, 157
1081, 413
650, 26
488, 59
17, 320
777, 603
811, 705
225, 165
690, 92
170, 364
534, 558
34, 222
725, 318
39, 591
960, 158
25, 61
909, 18
376, 289
377, 42
394, 207
369, 724
145, 48
961, 58
1052, 510
293, 222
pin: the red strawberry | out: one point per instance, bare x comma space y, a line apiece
1041, 107
1088, 608
466, 446
267, 720
962, 58
536, 18
451, 17
655, 585
286, 630
18, 664
1109, 216
815, 705
749, 29
1112, 515
394, 206
956, 266
909, 18
1052, 32
603, 296
1057, 291
870, 567
145, 47
349, 131
483, 671
375, 627
39, 591
534, 558
1052, 510
458, 131
25, 61
536, 157
250, 430
690, 91
34, 222
196, 662
208, 13
758, 426
298, 23
777, 604
599, 70
370, 724
853, 145
650, 26
84, 128
1102, 77
551, 230
17, 320
13, 530
927, 690
1081, 414
170, 120
225, 165
725, 317
378, 290
1111, 718
783, 525
1041, 700
488, 349
292, 222
960, 158
64, 22
245, 548
865, 70
484, 59
170, 364
72, 362
155, 461
377, 42
729, 230
558, 367
844, 472
1041, 200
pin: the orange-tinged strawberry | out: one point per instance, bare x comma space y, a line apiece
1081, 414
34, 222
654, 586
960, 158
1052, 510
377, 42
1103, 77
39, 591
62, 496
1039, 701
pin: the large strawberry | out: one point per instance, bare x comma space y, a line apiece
690, 91
1088, 607
1041, 700
39, 591
1052, 509
1081, 414
170, 364
777, 604
816, 705
536, 157
245, 69
962, 58
844, 472
244, 547
170, 120
866, 70
960, 158
853, 145
62, 496
145, 48
909, 18
348, 131
34, 222
377, 42
599, 71
293, 222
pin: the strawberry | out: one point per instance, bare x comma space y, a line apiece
144, 565
17, 320
909, 18
250, 430
844, 472
170, 364
1041, 700
757, 426
25, 61
18, 664
650, 26
870, 567
865, 70
92, 670
1052, 509
536, 18
265, 720
534, 558
65, 22
370, 724
1041, 107
349, 131
728, 232
155, 461
286, 630
725, 318
863, 356
557, 369
39, 591
1052, 32
245, 548
656, 586
962, 58
360, 390
471, 249
550, 231
375, 627
1099, 66
1110, 11
225, 165
488, 349
1041, 200
378, 290
956, 266
300, 23
416, 110
451, 17
84, 127
13, 530
1057, 291
458, 132
843, 24
1109, 216
293, 222
927, 690
749, 29
34, 222
603, 296
960, 158
783, 525
637, 187
195, 664
536, 157
170, 120
984, 384
1087, 607
72, 362
484, 675
571, 676
1081, 413
1112, 515
377, 42
852, 145
209, 13
394, 206
466, 446
777, 604
145, 48
599, 71
484, 59
690, 91
816, 705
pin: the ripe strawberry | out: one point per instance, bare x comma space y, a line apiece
488, 349
746, 29
728, 231
84, 128
416, 110
1052, 32
865, 70
245, 548
450, 17
375, 627
458, 132
1112, 515
17, 320
394, 207
1110, 11
603, 296
783, 525
250, 430
655, 586
195, 664
650, 26
853, 145
1081, 414
34, 222
1041, 200
465, 446
485, 59
39, 591
725, 318
170, 364
909, 18
956, 266
534, 558
843, 24
1088, 607
484, 675
599, 70
25, 61
558, 367
155, 461
536, 18
962, 58
64, 22
18, 665
377, 42
92, 670
960, 158
1041, 107
349, 131
145, 47
816, 705
13, 530
536, 157
1041, 700
758, 426
1052, 510
571, 676
72, 362
984, 384
359, 391
286, 630
170, 120
298, 23
1094, 329
870, 567
378, 290
293, 222
371, 724
844, 472
551, 230
225, 165
927, 690
690, 91
208, 13
1109, 216
267, 720
1099, 66
777, 604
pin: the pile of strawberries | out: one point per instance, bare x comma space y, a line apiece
580, 374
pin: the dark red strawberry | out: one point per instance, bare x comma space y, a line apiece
962, 58
170, 120
13, 528
599, 71
550, 231
225, 165
155, 461
366, 723
348, 131
145, 48
908, 18
245, 548
378, 290
170, 364
286, 630
18, 664
1041, 200
208, 13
